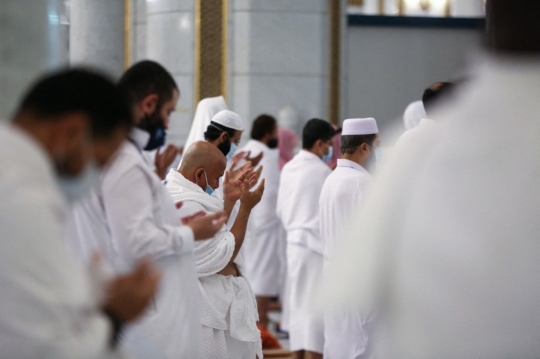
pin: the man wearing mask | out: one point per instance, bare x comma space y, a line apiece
132, 216
229, 313
302, 180
67, 127
347, 332
224, 132
265, 232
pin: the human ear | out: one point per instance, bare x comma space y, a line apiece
149, 103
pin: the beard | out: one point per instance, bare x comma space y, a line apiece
225, 146
151, 122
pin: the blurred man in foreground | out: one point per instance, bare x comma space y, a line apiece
66, 128
449, 242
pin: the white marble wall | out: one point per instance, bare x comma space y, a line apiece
460, 8
170, 40
278, 56
97, 35
33, 40
138, 30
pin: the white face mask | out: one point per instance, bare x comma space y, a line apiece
76, 187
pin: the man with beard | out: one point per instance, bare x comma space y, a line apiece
67, 127
132, 216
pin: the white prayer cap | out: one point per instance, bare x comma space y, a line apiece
413, 114
229, 119
359, 126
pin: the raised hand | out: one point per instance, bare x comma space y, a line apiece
251, 199
127, 296
164, 159
207, 226
254, 160
236, 173
232, 188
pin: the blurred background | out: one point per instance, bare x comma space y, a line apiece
294, 59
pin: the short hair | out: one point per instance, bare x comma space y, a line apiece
145, 78
83, 91
214, 130
350, 143
263, 125
314, 130
513, 26
435, 93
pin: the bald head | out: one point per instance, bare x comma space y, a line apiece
513, 26
203, 164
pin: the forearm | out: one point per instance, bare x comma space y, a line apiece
228, 207
239, 229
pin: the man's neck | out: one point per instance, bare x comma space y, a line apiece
354, 158
311, 150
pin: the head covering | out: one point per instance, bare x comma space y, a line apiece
229, 119
413, 114
287, 141
206, 109
359, 126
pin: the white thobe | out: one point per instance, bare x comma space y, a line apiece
425, 129
48, 308
301, 183
346, 330
265, 243
451, 243
132, 216
228, 307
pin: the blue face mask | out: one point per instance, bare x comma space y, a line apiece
232, 151
209, 189
329, 155
378, 155
157, 139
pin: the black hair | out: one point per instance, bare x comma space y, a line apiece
350, 143
314, 130
513, 26
82, 91
263, 125
145, 78
433, 94
214, 130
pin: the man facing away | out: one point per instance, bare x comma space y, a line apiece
228, 308
449, 241
66, 128
265, 231
301, 181
347, 332
131, 216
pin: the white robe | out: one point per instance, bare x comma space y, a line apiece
265, 243
450, 239
206, 109
48, 306
228, 306
347, 331
301, 183
132, 216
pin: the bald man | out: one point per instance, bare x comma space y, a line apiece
228, 307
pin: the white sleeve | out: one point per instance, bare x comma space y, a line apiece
129, 206
48, 309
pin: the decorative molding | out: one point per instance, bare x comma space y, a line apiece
210, 48
414, 21
334, 73
127, 34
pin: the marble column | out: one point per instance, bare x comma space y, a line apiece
97, 35
33, 40
170, 40
279, 57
